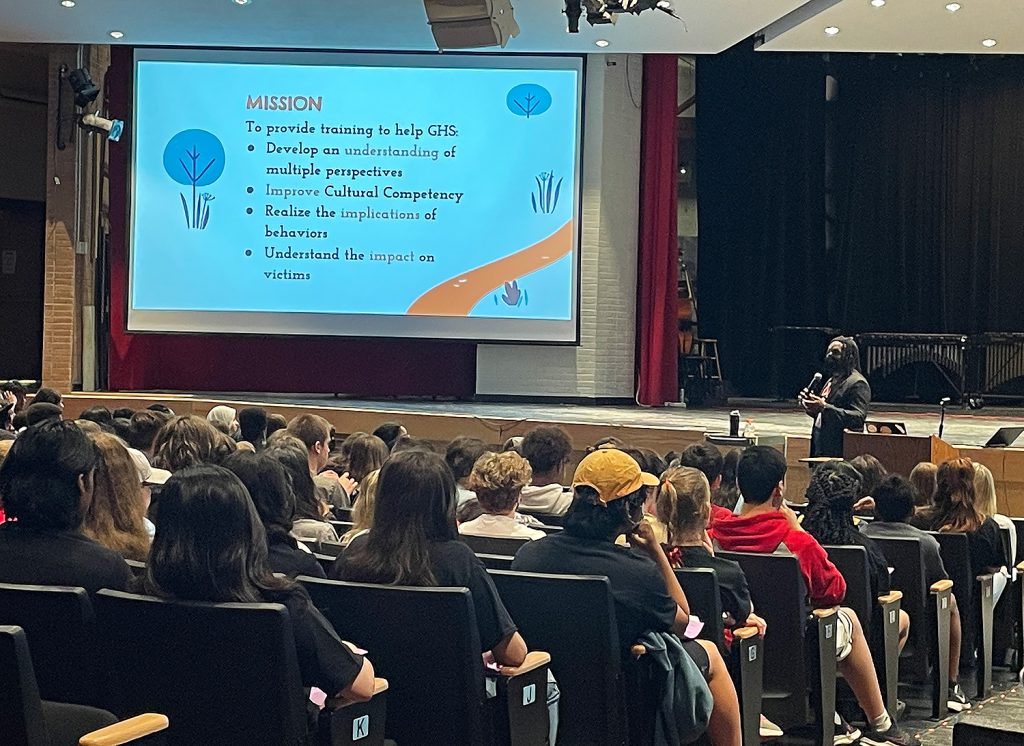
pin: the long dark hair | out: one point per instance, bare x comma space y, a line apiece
267, 483
415, 506
293, 456
210, 544
835, 486
955, 507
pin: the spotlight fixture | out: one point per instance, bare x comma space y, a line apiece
469, 24
116, 34
988, 43
85, 90
953, 7
831, 30
602, 43
605, 11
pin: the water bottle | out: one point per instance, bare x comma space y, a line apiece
734, 423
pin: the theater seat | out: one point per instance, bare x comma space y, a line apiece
968, 734
505, 546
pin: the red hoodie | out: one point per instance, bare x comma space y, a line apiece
765, 532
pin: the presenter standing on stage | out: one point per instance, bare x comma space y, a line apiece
842, 403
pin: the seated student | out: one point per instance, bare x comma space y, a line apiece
548, 449
728, 493
828, 517
223, 418
985, 492
409, 443
310, 518
362, 513
275, 422
48, 396
252, 427
922, 477
15, 392
315, 433
894, 506
190, 562
390, 432
498, 480
266, 481
955, 510
871, 474
116, 516
460, 456
708, 459
764, 525
101, 416
608, 498
362, 453
142, 429
188, 440
414, 542
46, 483
38, 412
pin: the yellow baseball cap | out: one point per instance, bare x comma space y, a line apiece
612, 473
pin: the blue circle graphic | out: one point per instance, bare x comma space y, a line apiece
194, 158
528, 100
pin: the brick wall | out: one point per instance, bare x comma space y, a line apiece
603, 365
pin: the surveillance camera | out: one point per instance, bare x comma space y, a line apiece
112, 127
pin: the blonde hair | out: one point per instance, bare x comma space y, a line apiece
498, 480
684, 502
362, 513
116, 516
984, 491
923, 477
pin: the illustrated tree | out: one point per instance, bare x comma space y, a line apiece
195, 158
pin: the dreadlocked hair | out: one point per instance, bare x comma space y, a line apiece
684, 502
834, 488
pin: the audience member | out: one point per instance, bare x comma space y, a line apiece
515, 443
188, 440
362, 513
16, 390
122, 428
190, 562
7, 417
48, 396
162, 409
409, 443
266, 481
764, 525
390, 432
609, 441
46, 485
252, 427
123, 413
728, 493
275, 422
894, 506
315, 433
37, 413
708, 460
497, 480
985, 492
153, 480
548, 449
363, 453
101, 416
871, 473
116, 515
223, 418
923, 477
144, 425
309, 521
460, 456
607, 499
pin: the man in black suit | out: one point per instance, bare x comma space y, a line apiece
843, 401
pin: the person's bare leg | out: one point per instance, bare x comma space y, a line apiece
859, 671
955, 636
724, 726
904, 630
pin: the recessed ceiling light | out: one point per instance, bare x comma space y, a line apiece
602, 43
988, 43
664, 4
241, 2
831, 30
116, 34
953, 7
682, 170
68, 3
878, 3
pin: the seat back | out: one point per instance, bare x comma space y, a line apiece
425, 642
222, 673
700, 584
779, 594
572, 617
956, 557
852, 563
906, 558
496, 561
501, 545
21, 713
60, 627
970, 734
1018, 524
548, 519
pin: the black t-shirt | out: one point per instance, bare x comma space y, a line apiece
642, 603
455, 566
986, 543
59, 558
291, 561
732, 583
878, 567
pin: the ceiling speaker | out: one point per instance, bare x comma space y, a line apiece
469, 24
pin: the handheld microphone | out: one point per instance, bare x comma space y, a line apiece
809, 388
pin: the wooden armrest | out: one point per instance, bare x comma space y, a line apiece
986, 576
822, 613
890, 597
941, 585
126, 730
534, 660
744, 633
637, 650
379, 685
1020, 566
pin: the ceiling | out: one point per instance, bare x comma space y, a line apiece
901, 26
708, 26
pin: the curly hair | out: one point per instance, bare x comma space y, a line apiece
835, 486
498, 480
546, 448
188, 440
684, 502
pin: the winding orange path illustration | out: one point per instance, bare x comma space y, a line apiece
458, 295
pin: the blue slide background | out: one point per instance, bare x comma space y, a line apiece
499, 154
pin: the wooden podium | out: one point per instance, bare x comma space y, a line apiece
899, 454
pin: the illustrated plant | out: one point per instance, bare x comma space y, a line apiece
545, 198
195, 158
513, 295
194, 175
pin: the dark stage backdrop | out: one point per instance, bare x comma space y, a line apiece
929, 197
366, 367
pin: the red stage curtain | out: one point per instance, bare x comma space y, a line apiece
364, 367
658, 261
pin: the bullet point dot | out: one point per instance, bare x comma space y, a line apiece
248, 252
252, 148
248, 211
249, 190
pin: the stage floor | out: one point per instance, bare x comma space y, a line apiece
770, 418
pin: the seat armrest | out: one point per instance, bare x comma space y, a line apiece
987, 576
824, 613
534, 660
1020, 567
890, 597
126, 730
379, 685
941, 585
744, 633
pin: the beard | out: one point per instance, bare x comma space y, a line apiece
832, 365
